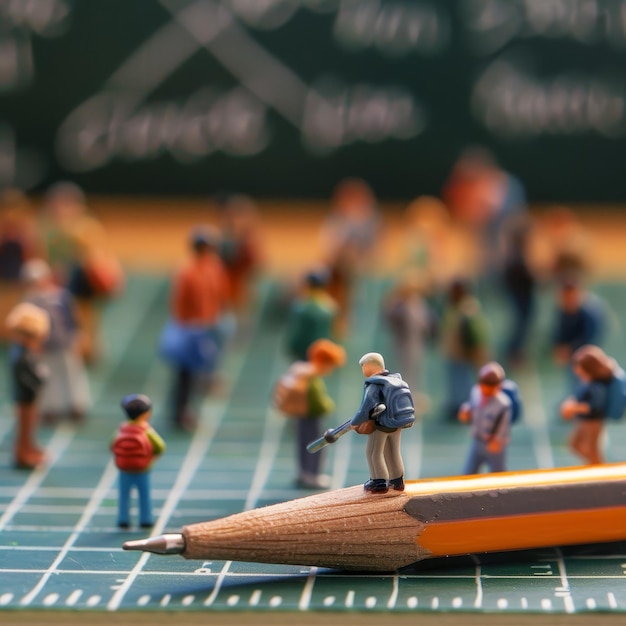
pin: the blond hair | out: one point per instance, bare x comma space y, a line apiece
373, 357
29, 319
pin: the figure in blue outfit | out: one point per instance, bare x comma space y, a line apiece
383, 444
135, 446
580, 320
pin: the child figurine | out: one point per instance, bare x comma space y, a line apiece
301, 394
383, 444
135, 446
489, 411
589, 405
29, 326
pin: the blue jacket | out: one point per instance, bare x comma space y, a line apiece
391, 390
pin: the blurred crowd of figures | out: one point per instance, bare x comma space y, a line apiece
475, 245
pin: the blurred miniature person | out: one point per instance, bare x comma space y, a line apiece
519, 283
350, 237
239, 248
29, 326
17, 245
465, 337
135, 447
301, 395
410, 321
66, 393
311, 316
483, 196
427, 229
489, 412
383, 444
564, 245
200, 299
76, 249
62, 210
580, 319
589, 405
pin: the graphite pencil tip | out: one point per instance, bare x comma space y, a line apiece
162, 544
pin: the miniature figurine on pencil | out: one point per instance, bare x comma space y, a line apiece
600, 394
489, 410
29, 326
135, 446
383, 430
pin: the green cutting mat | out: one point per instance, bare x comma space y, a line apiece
60, 548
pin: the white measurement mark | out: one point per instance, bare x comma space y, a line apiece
350, 599
51, 599
255, 598
73, 598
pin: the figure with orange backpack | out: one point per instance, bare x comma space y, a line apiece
135, 446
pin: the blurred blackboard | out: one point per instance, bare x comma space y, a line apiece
283, 98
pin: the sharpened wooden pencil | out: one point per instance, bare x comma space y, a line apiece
351, 529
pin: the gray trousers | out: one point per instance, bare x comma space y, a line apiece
478, 454
383, 454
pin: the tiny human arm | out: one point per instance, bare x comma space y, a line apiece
158, 445
465, 413
571, 407
360, 421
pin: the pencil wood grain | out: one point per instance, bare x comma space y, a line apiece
346, 528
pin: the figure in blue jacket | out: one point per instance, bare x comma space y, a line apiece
383, 444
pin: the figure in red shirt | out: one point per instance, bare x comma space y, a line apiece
200, 298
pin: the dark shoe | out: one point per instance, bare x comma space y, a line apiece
147, 524
29, 459
376, 485
123, 525
397, 484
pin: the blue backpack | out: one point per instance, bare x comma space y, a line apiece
616, 396
511, 389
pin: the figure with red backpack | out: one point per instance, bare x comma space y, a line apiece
135, 446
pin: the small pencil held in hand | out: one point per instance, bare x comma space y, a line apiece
333, 434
